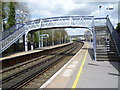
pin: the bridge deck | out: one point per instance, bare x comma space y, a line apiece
33, 51
82, 72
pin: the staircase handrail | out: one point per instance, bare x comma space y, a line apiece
114, 34
9, 31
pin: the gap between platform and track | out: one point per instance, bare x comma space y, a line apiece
59, 71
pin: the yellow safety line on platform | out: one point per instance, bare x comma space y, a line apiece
80, 70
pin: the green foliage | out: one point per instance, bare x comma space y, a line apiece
9, 12
118, 28
4, 15
3, 11
11, 15
54, 35
35, 37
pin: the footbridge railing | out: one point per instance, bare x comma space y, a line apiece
66, 21
114, 34
11, 35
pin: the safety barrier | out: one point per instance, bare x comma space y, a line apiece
114, 34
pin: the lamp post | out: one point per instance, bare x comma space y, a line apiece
110, 8
19, 19
39, 39
52, 37
65, 39
43, 36
70, 39
100, 6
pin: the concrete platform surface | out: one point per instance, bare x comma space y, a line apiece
33, 51
83, 72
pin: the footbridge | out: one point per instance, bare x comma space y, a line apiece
14, 33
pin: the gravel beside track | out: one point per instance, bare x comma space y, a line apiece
40, 70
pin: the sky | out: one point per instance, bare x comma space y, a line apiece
55, 8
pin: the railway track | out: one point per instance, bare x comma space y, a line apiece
10, 71
26, 75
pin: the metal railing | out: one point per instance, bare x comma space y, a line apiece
97, 22
12, 38
14, 33
100, 21
9, 31
66, 21
114, 34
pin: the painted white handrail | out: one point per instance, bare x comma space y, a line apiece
12, 38
68, 21
114, 35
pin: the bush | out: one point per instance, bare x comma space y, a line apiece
118, 28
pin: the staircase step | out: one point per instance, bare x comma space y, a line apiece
107, 59
105, 49
104, 42
105, 45
107, 56
107, 53
100, 29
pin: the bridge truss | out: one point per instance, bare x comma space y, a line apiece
11, 35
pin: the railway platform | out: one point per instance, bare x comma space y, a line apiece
83, 72
33, 51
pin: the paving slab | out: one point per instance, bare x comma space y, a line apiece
94, 74
64, 75
97, 74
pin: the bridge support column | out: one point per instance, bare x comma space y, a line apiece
94, 40
39, 40
52, 37
26, 41
70, 39
32, 41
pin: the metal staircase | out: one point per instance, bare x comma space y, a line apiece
105, 46
11, 35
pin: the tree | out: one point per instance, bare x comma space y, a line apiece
11, 15
0, 17
9, 9
22, 12
118, 28
3, 15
